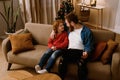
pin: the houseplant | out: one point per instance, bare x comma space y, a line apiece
9, 16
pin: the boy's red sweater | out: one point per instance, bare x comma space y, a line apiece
60, 41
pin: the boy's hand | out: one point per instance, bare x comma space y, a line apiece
53, 48
84, 55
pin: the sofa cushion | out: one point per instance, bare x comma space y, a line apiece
107, 55
103, 35
31, 56
98, 71
100, 47
21, 42
40, 32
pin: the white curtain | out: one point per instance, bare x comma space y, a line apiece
39, 11
117, 21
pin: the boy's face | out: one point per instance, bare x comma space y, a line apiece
61, 27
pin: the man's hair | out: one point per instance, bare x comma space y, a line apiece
56, 25
72, 17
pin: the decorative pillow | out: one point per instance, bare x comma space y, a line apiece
21, 42
107, 55
33, 40
100, 47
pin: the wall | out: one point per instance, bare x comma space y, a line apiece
117, 21
109, 16
2, 28
20, 24
109, 13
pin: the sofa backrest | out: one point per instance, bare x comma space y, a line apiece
103, 35
40, 32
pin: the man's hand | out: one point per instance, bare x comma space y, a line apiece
52, 35
84, 55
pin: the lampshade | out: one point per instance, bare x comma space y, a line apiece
93, 2
85, 2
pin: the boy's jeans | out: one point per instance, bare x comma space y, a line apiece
49, 57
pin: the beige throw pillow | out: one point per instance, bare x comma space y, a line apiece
107, 55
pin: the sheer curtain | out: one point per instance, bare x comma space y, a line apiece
117, 21
39, 11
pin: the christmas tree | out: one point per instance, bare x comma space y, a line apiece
65, 8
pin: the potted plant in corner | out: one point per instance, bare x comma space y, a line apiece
10, 17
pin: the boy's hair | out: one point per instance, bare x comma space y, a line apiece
56, 25
72, 17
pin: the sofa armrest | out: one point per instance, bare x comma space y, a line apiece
115, 66
6, 45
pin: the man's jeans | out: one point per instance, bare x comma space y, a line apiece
73, 56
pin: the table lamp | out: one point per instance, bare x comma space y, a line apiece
93, 3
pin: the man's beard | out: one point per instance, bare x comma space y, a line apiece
71, 28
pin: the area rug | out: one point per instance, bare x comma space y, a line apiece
46, 76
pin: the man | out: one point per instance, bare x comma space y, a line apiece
81, 45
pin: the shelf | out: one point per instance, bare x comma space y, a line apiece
99, 9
